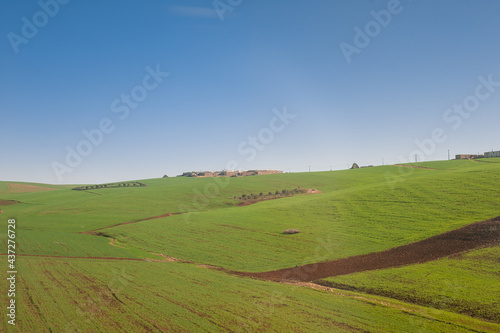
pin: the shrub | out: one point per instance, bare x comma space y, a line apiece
291, 231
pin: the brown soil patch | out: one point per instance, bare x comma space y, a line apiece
8, 202
70, 257
22, 188
480, 234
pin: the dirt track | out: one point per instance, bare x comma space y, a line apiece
472, 236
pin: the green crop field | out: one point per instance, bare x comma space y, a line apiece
69, 244
468, 283
105, 296
367, 217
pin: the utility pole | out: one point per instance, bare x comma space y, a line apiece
415, 158
448, 154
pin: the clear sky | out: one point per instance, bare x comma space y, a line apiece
162, 87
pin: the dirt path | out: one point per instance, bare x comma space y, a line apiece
480, 234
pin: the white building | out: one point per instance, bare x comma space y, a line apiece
492, 154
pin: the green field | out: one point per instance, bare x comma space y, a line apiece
468, 283
360, 211
103, 296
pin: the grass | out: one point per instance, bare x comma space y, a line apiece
355, 220
360, 211
489, 160
468, 283
62, 295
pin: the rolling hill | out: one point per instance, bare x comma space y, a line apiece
182, 254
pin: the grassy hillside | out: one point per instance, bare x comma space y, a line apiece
360, 211
371, 216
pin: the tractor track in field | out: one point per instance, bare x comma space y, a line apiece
472, 236
95, 231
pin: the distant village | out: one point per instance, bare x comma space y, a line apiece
226, 173
240, 173
487, 154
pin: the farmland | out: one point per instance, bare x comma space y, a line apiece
169, 255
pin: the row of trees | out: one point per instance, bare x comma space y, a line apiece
112, 185
271, 195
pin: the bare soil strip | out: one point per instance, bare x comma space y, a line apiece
22, 188
8, 202
480, 234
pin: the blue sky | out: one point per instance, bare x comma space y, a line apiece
231, 69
